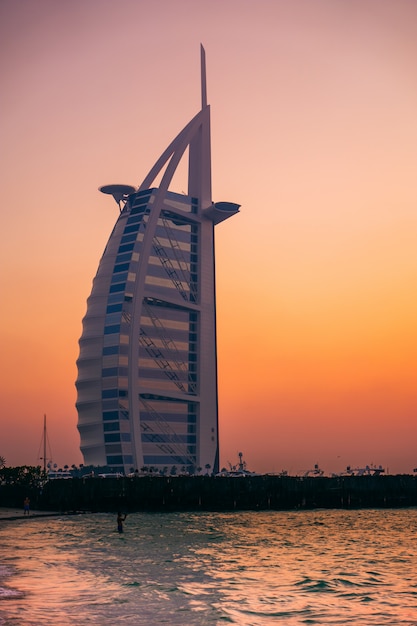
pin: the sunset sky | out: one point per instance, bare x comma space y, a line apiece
314, 133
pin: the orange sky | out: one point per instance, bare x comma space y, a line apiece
314, 133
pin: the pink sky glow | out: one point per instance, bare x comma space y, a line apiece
314, 133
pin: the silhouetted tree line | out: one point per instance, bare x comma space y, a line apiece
25, 475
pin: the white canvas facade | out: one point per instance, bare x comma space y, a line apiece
147, 368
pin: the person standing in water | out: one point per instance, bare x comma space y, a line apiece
120, 519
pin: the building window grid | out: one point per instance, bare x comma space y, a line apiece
120, 274
123, 259
181, 447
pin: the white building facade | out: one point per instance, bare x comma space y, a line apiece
147, 367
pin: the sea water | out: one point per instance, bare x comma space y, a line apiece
246, 568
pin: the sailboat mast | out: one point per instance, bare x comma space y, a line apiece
44, 443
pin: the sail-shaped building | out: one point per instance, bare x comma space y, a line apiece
147, 366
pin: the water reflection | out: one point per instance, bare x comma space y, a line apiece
323, 567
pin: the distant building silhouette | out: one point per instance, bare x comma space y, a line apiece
147, 367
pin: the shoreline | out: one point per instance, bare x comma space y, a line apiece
14, 514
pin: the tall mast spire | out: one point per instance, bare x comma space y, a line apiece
203, 78
44, 443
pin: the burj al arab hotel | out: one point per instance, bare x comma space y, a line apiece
147, 366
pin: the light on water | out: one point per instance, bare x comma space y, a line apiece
305, 567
